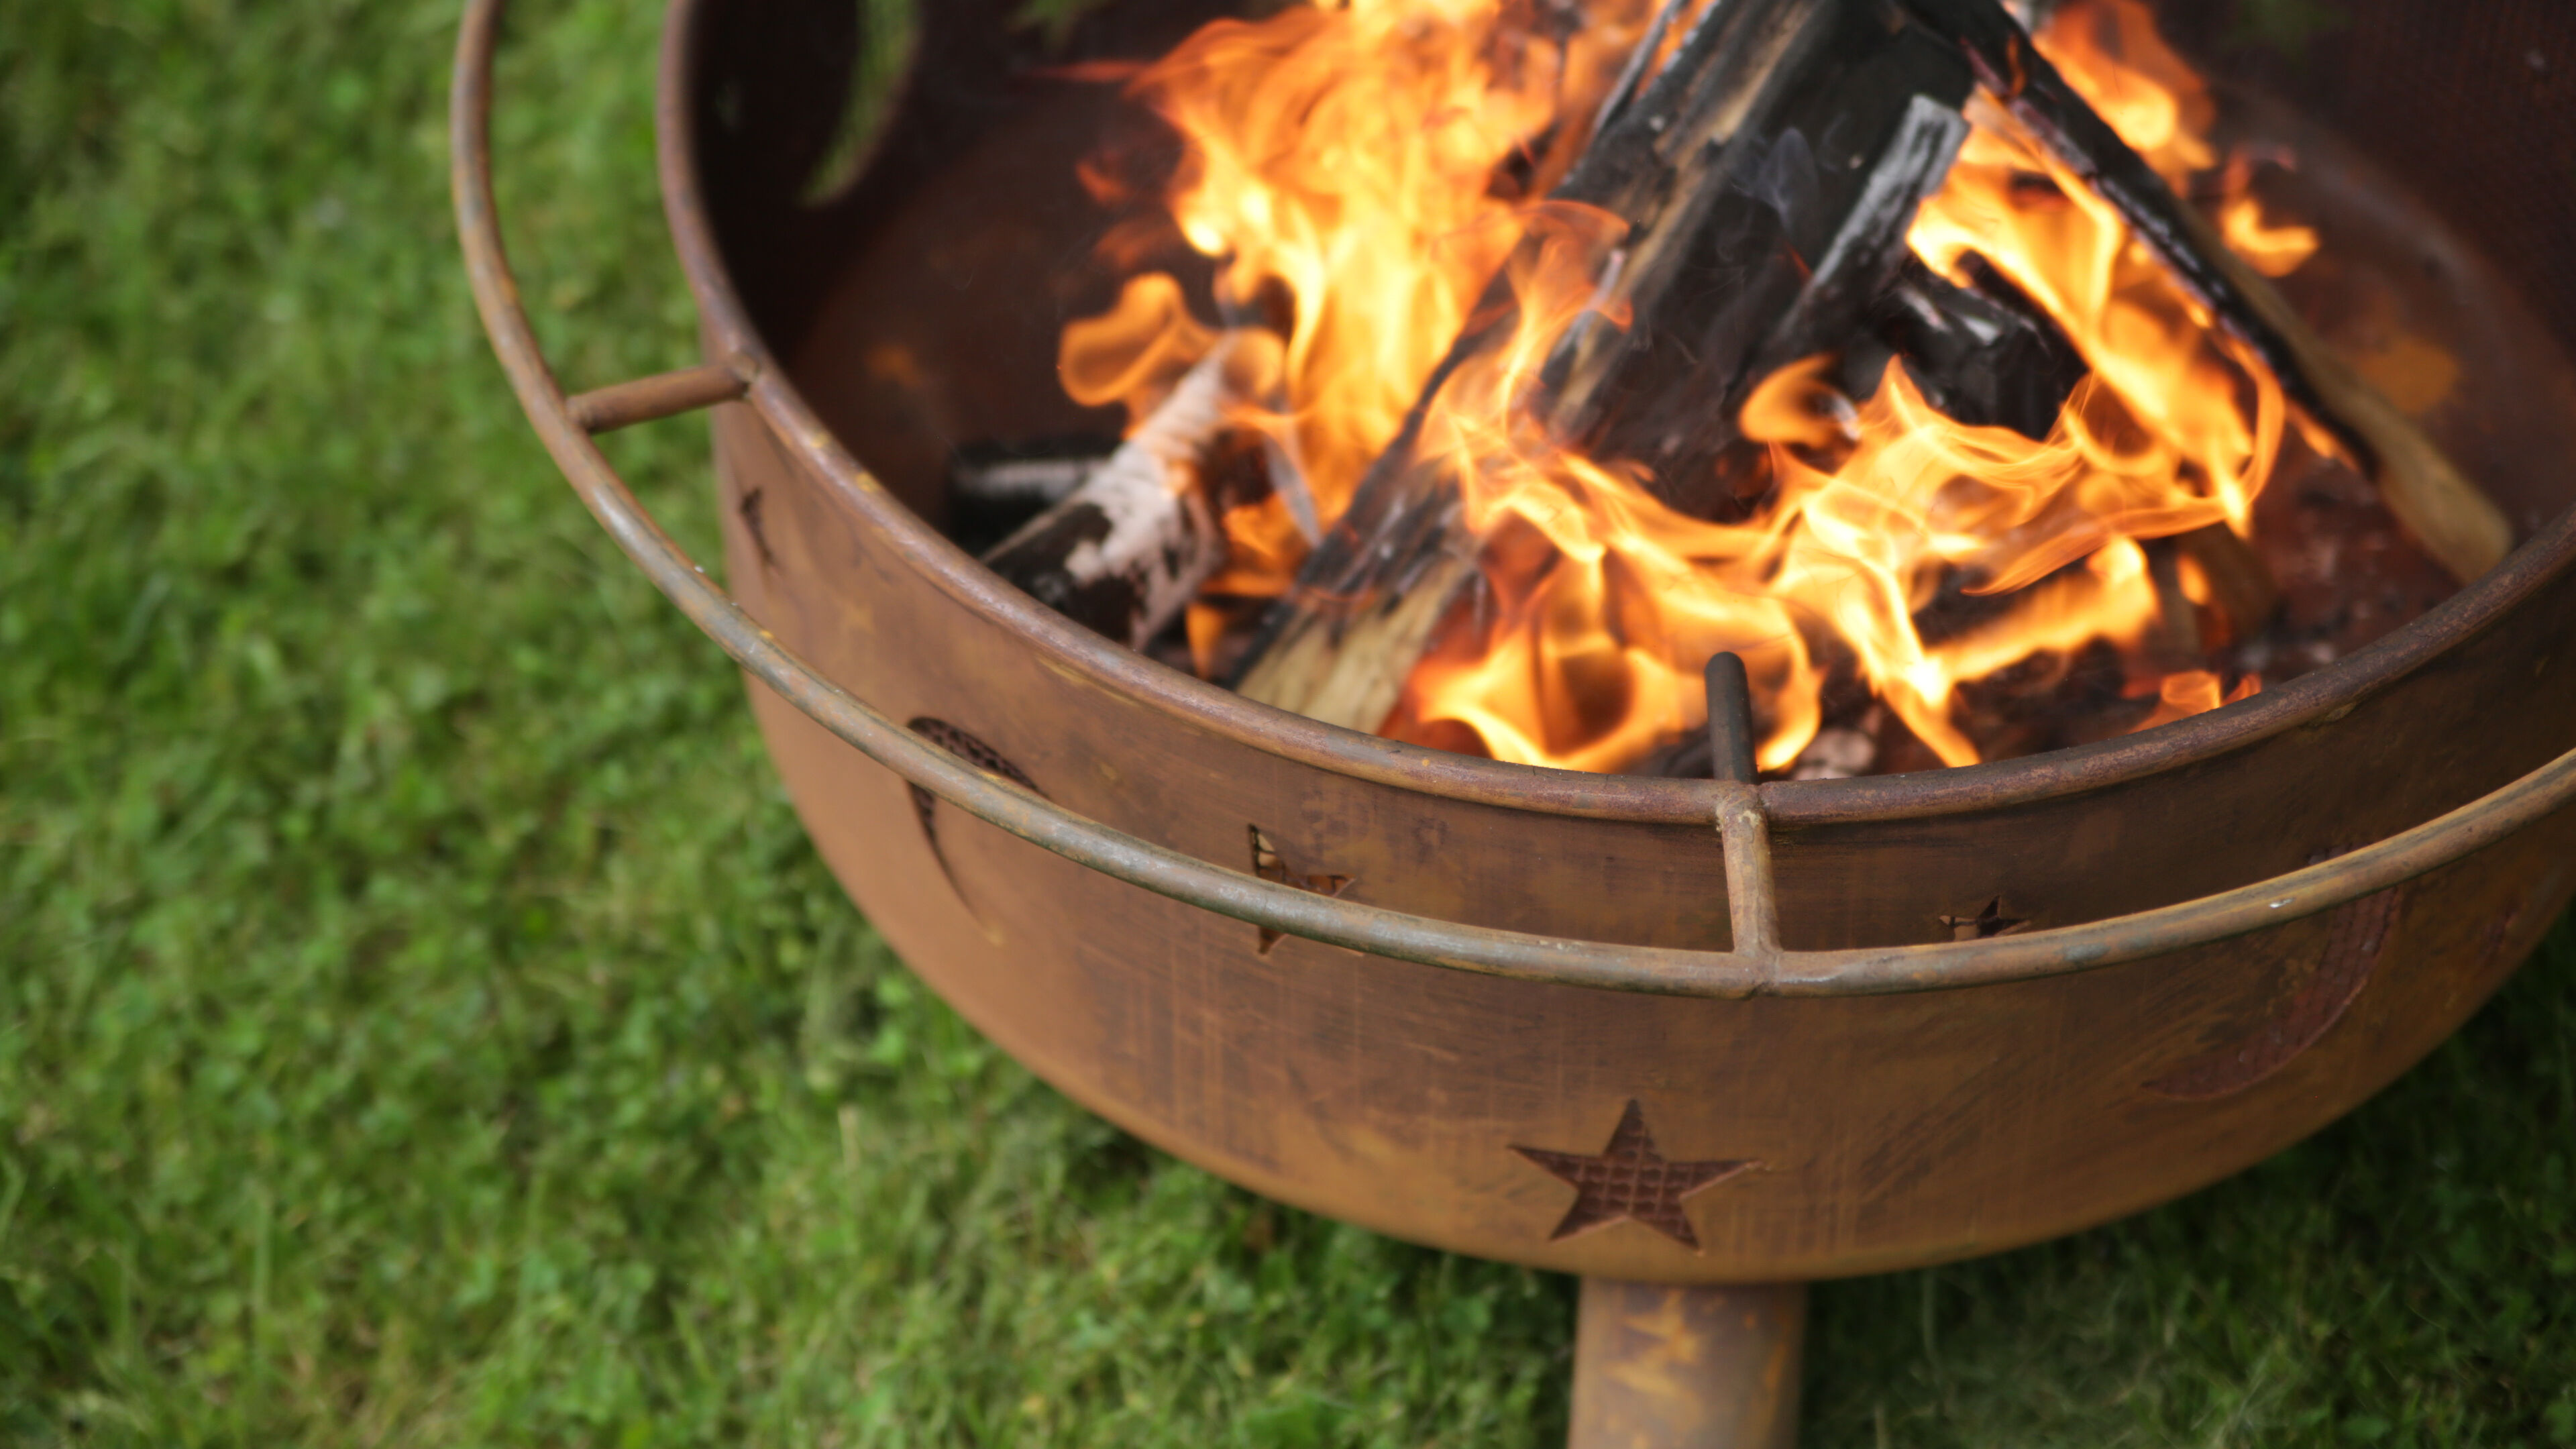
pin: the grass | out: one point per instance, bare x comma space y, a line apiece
422, 1022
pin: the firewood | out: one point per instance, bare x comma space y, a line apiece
1007, 480
1984, 354
1712, 316
2455, 522
995, 489
1123, 553
1767, 176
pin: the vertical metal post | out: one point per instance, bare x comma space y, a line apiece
1740, 816
1730, 719
1659, 1367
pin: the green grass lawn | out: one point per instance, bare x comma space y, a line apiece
422, 1022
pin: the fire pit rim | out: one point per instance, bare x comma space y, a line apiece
2310, 699
1758, 967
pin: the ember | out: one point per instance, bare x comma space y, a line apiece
1595, 341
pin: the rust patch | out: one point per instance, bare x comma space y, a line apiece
2356, 934
1629, 1180
1270, 865
925, 806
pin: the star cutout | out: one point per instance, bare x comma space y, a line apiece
1270, 865
1984, 925
1631, 1180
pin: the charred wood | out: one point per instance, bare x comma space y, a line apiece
1983, 354
1767, 176
1766, 216
1124, 552
2455, 522
1712, 315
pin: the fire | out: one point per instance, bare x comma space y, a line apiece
1361, 172
1348, 160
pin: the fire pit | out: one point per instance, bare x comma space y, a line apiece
1656, 1032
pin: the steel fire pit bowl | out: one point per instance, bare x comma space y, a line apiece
1647, 1030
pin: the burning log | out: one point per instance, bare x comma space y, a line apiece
1724, 196
994, 490
1123, 552
1984, 354
1767, 177
2453, 520
1988, 356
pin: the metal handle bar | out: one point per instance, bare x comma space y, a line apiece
1758, 967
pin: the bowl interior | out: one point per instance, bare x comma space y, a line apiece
913, 254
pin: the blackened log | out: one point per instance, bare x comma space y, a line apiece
1985, 354
2454, 521
1768, 176
1766, 215
1124, 553
1632, 76
1340, 646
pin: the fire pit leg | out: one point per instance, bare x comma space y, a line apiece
1658, 1367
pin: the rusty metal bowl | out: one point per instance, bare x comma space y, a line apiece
1651, 1030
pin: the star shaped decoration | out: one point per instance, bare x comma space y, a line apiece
1985, 925
1270, 865
1629, 1180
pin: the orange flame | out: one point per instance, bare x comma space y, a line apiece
1348, 156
